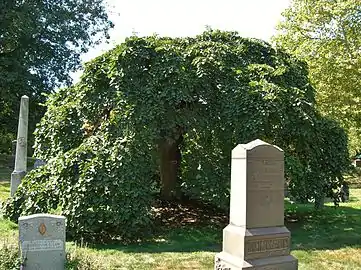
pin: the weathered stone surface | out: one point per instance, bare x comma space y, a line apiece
16, 178
256, 237
38, 163
22, 136
224, 261
256, 243
42, 241
257, 185
21, 145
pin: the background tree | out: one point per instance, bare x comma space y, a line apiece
326, 34
158, 117
40, 44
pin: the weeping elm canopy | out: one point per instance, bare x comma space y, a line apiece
159, 115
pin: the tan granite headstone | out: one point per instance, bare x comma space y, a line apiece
256, 237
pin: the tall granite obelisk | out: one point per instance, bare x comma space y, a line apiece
21, 146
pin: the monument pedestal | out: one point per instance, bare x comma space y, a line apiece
256, 248
225, 261
16, 178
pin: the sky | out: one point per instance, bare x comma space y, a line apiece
251, 18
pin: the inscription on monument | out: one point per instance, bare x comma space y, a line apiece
265, 245
42, 245
263, 173
265, 188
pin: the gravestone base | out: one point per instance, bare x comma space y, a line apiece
225, 261
16, 178
256, 243
256, 248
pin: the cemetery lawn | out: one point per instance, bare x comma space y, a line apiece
189, 238
4, 174
329, 238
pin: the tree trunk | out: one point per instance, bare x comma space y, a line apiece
170, 158
319, 201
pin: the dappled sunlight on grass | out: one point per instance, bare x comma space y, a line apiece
175, 240
115, 259
323, 240
7, 229
188, 236
4, 190
329, 238
326, 239
328, 228
345, 258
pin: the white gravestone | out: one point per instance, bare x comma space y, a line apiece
21, 146
256, 237
42, 242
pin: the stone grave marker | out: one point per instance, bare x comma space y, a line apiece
38, 163
21, 146
42, 242
256, 237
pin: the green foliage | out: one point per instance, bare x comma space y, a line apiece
9, 257
40, 44
326, 35
98, 188
321, 173
216, 90
6, 139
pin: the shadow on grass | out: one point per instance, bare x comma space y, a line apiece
330, 228
200, 230
180, 227
186, 239
5, 175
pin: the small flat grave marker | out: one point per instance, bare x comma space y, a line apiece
42, 242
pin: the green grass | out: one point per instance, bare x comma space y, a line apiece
322, 240
5, 174
327, 239
4, 190
8, 229
176, 253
